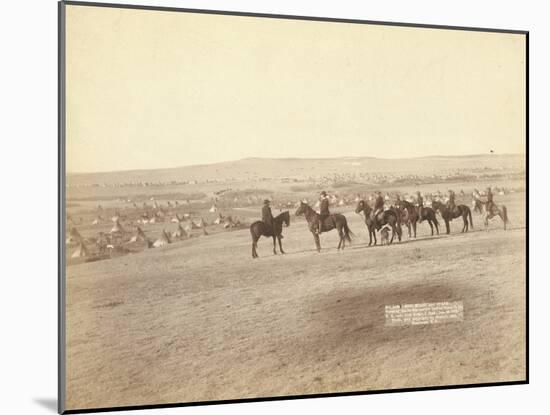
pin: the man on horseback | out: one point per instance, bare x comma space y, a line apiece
378, 208
420, 204
451, 203
323, 211
267, 216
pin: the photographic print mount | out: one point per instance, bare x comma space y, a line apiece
76, 252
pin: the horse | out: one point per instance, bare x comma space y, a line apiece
333, 221
259, 228
388, 217
477, 205
411, 216
448, 215
502, 212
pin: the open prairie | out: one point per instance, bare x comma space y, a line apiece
198, 319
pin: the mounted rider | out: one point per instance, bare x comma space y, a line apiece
323, 211
378, 208
397, 199
451, 203
267, 216
420, 205
403, 212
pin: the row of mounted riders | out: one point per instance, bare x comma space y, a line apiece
401, 213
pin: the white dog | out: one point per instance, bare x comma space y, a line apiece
385, 235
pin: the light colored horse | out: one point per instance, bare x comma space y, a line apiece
488, 214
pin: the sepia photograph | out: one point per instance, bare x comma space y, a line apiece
266, 206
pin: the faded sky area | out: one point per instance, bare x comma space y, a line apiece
150, 89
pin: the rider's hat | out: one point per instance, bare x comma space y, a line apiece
323, 193
266, 201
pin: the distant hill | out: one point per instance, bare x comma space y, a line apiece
258, 168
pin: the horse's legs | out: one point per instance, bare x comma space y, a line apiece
369, 229
447, 226
414, 228
431, 226
280, 244
254, 253
317, 242
339, 231
409, 227
501, 216
342, 237
393, 231
274, 245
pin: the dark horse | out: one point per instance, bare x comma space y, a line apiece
448, 215
259, 228
411, 216
478, 205
388, 217
333, 221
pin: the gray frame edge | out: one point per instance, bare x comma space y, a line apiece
61, 285
289, 17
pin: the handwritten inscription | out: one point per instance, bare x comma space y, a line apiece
424, 313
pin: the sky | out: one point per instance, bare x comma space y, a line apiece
150, 89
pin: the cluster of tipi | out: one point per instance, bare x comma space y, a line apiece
118, 239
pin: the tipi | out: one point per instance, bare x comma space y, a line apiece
117, 228
179, 233
81, 251
163, 240
139, 236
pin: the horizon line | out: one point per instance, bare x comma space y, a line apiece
73, 173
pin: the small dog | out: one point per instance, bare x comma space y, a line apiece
385, 235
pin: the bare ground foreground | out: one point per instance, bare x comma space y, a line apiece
200, 320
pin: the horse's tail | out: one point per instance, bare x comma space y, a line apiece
348, 234
505, 214
470, 217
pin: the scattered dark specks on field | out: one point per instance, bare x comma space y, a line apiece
415, 254
111, 304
